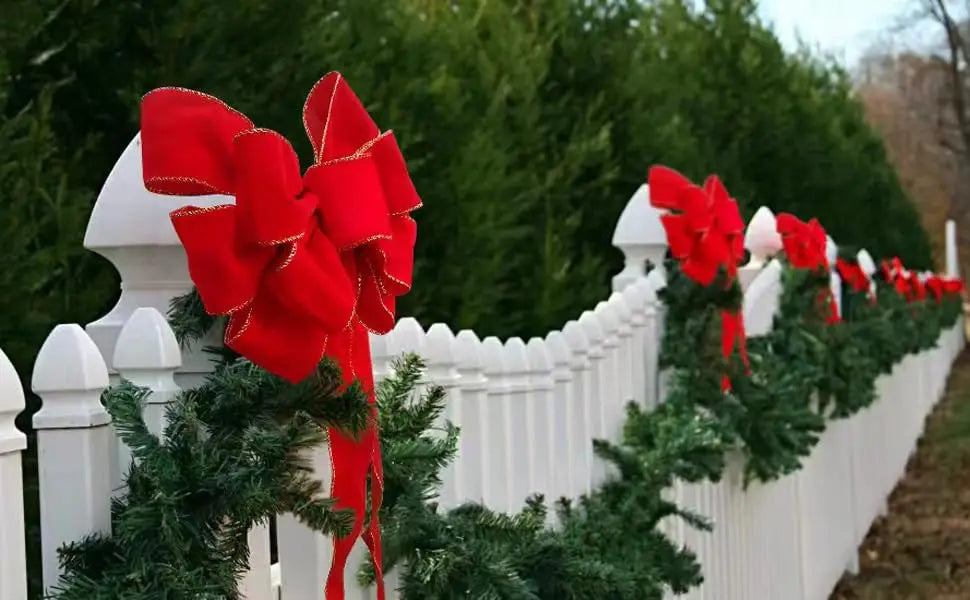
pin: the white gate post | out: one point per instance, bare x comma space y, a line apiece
74, 443
130, 227
13, 558
952, 256
640, 236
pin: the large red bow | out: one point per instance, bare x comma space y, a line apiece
917, 287
852, 274
705, 232
804, 243
952, 285
303, 265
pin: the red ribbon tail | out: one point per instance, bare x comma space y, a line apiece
372, 536
733, 334
352, 459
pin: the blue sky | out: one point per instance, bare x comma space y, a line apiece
844, 27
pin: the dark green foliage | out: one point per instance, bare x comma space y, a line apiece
527, 126
474, 552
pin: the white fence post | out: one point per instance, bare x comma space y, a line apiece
544, 435
832, 254
497, 493
761, 238
652, 335
131, 228
868, 267
594, 395
581, 411
147, 354
515, 442
952, 256
637, 304
13, 558
442, 370
624, 333
475, 416
566, 409
74, 443
640, 235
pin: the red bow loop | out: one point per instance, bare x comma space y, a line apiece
953, 285
935, 285
186, 142
270, 202
336, 121
804, 243
733, 336
667, 187
705, 231
365, 198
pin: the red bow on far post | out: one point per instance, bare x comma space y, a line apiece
952, 285
916, 286
934, 283
805, 245
705, 233
304, 265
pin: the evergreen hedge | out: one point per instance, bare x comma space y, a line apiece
526, 125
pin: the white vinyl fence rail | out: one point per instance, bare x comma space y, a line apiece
527, 409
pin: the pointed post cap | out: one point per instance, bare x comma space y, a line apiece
865, 261
11, 403
438, 344
640, 236
468, 350
761, 239
492, 352
831, 250
639, 224
408, 337
69, 376
127, 214
146, 342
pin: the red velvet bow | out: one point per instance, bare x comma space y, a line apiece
934, 283
952, 285
303, 265
916, 286
853, 275
705, 232
804, 243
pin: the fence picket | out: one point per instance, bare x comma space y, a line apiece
75, 443
13, 558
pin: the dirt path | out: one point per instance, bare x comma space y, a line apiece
921, 551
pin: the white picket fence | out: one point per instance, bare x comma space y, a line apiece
527, 411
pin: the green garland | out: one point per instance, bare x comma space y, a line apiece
170, 536
802, 373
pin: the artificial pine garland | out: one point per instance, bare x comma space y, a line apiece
232, 455
173, 540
